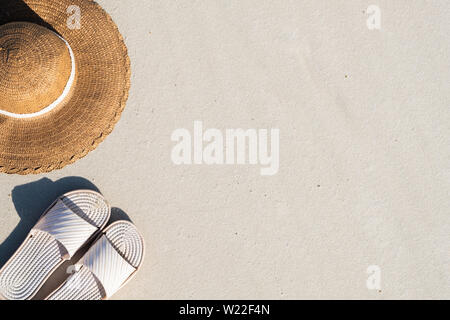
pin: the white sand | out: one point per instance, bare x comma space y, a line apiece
364, 114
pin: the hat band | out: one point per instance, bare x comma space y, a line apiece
54, 104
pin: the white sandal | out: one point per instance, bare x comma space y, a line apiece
107, 266
70, 222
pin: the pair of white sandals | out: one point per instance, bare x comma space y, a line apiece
66, 226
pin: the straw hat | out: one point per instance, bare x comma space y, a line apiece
63, 82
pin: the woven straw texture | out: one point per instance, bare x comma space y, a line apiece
107, 265
34, 67
97, 98
41, 253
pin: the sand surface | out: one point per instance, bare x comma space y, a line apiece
364, 177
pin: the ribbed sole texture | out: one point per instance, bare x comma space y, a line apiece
29, 268
80, 286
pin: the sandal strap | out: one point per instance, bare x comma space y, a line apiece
66, 227
106, 263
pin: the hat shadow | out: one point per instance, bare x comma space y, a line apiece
18, 10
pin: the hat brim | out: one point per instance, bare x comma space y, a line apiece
98, 97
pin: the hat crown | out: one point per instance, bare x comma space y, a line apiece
35, 67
